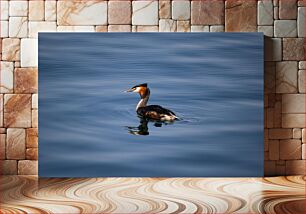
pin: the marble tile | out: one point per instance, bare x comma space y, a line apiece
27, 167
239, 15
17, 110
183, 26
144, 28
280, 133
34, 101
29, 53
38, 26
4, 29
266, 139
293, 49
91, 12
293, 120
290, 149
287, 9
304, 135
119, 12
18, 8
303, 151
265, 12
32, 154
270, 118
302, 65
167, 25
2, 130
165, 9
275, 13
101, 28
199, 28
18, 27
2, 146
286, 77
293, 103
8, 167
301, 22
273, 49
207, 12
180, 10
32, 138
216, 28
17, 64
281, 162
273, 149
297, 133
1, 110
269, 77
25, 80
134, 28
119, 28
266, 30
285, 28
75, 29
15, 143
301, 81
269, 168
145, 12
36, 10
34, 118
280, 169
50, 10
301, 3
4, 10
278, 114
7, 77
11, 49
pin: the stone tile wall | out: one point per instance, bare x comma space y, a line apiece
282, 21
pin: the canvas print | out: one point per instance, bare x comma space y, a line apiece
150, 104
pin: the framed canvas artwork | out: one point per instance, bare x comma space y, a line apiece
151, 104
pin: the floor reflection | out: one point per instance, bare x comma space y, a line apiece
29, 194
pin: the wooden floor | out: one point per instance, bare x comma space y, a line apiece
139, 195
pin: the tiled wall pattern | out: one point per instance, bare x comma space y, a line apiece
282, 21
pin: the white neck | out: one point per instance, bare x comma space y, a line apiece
143, 102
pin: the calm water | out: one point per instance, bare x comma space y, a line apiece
213, 81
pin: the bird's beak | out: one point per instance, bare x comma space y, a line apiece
130, 90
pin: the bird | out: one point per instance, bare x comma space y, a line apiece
154, 112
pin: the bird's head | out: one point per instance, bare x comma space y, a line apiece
142, 89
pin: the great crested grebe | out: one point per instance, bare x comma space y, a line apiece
154, 112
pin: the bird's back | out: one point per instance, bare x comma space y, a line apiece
156, 112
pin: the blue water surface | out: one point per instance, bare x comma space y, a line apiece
88, 126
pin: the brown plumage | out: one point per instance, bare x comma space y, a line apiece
143, 91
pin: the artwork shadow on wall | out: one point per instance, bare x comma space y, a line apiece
195, 107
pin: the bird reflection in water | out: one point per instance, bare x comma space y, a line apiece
143, 129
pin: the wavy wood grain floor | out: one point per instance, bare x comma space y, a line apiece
153, 195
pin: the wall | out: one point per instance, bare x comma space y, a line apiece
282, 21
